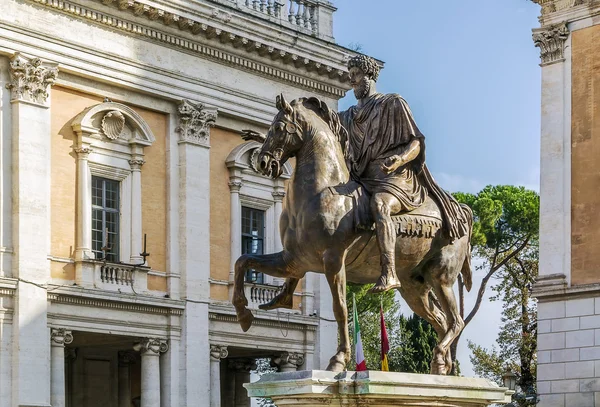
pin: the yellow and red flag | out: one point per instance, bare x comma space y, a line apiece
385, 344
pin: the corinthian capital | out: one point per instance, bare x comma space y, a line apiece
30, 79
551, 41
152, 346
195, 122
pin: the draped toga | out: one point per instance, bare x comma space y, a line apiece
383, 127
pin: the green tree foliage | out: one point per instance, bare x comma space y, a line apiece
505, 228
516, 340
418, 341
505, 236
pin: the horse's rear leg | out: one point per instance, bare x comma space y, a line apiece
416, 296
276, 265
445, 295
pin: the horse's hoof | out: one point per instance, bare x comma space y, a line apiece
245, 319
278, 302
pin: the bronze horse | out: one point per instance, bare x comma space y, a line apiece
319, 234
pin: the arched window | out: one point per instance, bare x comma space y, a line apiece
110, 143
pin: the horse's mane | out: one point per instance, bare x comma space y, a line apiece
332, 119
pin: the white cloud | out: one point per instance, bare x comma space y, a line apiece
458, 183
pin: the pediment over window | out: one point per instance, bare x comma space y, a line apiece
244, 157
112, 121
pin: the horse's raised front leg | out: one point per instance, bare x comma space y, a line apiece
276, 265
335, 272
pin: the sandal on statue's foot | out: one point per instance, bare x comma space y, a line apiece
385, 283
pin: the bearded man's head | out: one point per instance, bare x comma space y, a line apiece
370, 71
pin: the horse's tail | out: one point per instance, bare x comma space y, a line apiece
466, 267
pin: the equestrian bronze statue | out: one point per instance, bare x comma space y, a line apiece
361, 206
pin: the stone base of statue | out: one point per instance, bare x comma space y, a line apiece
373, 388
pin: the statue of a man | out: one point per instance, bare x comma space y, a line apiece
387, 156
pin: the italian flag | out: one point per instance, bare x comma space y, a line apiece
385, 344
361, 364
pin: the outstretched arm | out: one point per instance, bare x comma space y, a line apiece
394, 162
251, 135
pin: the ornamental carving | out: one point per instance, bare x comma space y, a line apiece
126, 358
551, 42
242, 365
151, 346
30, 79
83, 151
136, 163
551, 6
61, 336
218, 352
113, 124
288, 360
195, 122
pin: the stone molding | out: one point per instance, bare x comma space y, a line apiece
61, 336
235, 185
220, 37
265, 322
218, 352
555, 287
195, 121
551, 41
31, 79
114, 304
151, 346
552, 6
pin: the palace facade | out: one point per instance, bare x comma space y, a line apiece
568, 289
127, 194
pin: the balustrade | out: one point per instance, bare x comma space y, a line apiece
301, 15
260, 293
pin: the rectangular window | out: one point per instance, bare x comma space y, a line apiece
105, 218
253, 235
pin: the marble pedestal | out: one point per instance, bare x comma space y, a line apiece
373, 388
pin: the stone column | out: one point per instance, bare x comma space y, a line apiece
126, 359
136, 214
235, 184
278, 196
289, 361
217, 352
150, 350
555, 182
83, 247
241, 368
70, 358
194, 245
60, 338
31, 79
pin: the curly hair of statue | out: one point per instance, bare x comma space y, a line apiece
366, 64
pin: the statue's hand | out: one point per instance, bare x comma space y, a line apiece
392, 163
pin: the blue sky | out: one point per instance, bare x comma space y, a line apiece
470, 72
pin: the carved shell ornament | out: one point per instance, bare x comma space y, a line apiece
113, 124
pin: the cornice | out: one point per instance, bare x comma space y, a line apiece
125, 302
226, 313
8, 286
216, 41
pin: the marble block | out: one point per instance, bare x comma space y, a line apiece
374, 388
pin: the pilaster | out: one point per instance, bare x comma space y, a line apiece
195, 121
30, 83
555, 166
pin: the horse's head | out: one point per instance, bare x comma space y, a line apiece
291, 127
283, 140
